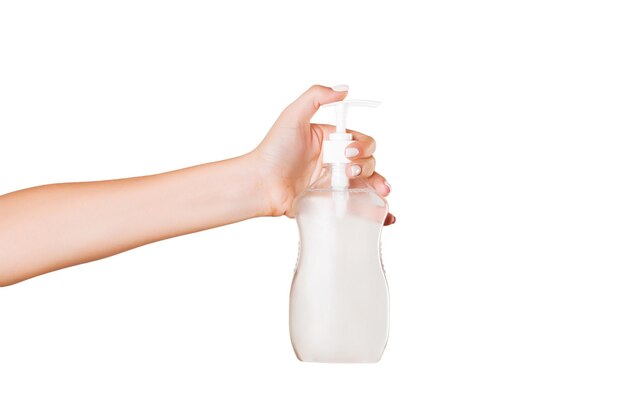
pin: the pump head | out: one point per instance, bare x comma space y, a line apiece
341, 110
333, 149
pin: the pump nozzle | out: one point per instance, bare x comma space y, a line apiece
333, 149
341, 111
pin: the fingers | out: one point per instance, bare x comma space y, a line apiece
377, 181
390, 219
360, 153
361, 167
310, 101
363, 146
383, 188
362, 163
380, 184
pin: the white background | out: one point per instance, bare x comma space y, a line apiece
502, 134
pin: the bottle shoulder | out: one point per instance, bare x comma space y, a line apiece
359, 202
363, 192
357, 198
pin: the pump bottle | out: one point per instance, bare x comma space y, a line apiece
339, 303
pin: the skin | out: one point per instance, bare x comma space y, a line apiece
55, 226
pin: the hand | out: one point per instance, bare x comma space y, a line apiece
59, 225
289, 157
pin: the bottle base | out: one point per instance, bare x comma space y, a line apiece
338, 359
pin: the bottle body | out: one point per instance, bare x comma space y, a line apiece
339, 303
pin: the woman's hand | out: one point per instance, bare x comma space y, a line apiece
290, 155
59, 225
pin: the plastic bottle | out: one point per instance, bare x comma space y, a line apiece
339, 304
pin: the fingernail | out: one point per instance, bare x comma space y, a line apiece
351, 152
341, 88
388, 186
355, 170
393, 220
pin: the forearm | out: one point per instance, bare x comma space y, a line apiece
55, 226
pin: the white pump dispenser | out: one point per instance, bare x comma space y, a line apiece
339, 302
334, 147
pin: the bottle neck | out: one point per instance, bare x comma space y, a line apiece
338, 178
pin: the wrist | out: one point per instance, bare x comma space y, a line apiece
271, 191
259, 190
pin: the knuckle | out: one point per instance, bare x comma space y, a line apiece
373, 146
315, 87
370, 166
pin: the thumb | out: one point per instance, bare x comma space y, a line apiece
308, 103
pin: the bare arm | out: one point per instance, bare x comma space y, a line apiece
54, 226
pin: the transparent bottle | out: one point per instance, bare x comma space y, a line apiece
339, 304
